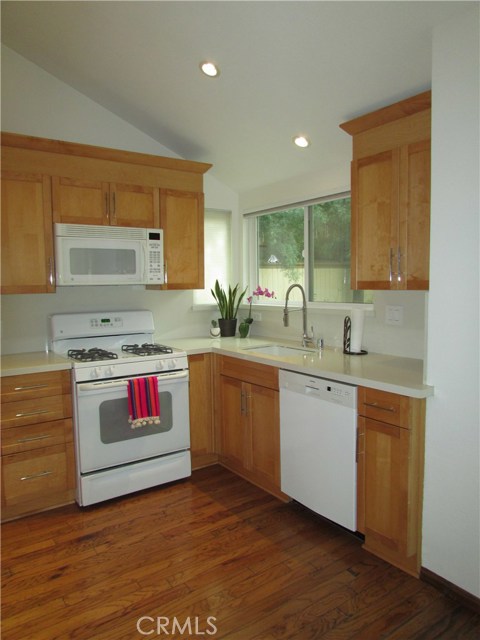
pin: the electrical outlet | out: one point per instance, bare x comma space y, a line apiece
256, 315
394, 315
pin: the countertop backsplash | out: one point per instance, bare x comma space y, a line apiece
25, 318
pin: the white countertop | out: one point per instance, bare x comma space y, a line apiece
18, 364
385, 372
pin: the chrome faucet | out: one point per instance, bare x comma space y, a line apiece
306, 339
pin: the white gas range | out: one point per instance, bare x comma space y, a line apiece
108, 350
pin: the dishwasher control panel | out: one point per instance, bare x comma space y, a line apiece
321, 388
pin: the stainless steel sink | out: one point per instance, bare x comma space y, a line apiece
278, 350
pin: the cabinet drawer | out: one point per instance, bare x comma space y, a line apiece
41, 472
18, 414
253, 372
37, 436
35, 385
384, 406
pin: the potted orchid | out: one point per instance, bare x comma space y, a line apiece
244, 327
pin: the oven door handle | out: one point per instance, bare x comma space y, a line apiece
112, 384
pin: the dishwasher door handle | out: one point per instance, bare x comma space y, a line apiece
309, 390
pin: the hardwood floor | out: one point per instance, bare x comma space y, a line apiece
210, 557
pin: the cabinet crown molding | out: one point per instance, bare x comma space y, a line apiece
407, 107
101, 153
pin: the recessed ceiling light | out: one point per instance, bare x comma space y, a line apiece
209, 69
301, 141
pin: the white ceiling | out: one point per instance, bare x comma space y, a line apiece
286, 68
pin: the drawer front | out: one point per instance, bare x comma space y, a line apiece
253, 372
18, 414
37, 436
384, 406
35, 385
40, 472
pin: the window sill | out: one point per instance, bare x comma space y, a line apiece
333, 307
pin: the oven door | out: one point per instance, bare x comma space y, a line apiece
104, 436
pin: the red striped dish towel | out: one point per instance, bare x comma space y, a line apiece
143, 402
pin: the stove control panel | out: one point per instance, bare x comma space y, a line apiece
106, 322
165, 365
87, 371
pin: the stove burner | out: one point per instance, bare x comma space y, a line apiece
146, 349
82, 355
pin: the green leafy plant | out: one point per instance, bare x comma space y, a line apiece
228, 302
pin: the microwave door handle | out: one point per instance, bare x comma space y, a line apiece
146, 279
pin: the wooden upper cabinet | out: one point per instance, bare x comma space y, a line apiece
181, 218
391, 196
134, 206
103, 203
55, 181
374, 220
80, 201
27, 238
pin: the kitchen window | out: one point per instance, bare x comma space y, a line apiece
218, 252
308, 243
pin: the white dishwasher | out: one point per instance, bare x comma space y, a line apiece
318, 432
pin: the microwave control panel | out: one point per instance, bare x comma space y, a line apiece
155, 274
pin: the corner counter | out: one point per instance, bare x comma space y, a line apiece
403, 376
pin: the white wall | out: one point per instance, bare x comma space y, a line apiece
451, 530
35, 103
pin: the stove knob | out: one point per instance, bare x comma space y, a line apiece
172, 364
96, 373
109, 371
161, 365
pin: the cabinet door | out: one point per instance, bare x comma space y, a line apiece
202, 443
415, 215
264, 446
361, 474
134, 206
80, 201
27, 237
35, 476
375, 187
386, 490
181, 218
233, 402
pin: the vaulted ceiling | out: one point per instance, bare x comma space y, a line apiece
286, 68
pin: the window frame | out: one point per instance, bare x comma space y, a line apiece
251, 266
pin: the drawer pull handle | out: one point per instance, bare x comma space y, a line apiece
32, 386
37, 475
33, 438
31, 413
375, 405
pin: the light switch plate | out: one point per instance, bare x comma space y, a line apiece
394, 315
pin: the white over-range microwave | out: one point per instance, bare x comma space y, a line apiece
104, 255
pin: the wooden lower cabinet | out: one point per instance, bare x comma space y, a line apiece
249, 424
38, 462
390, 476
202, 434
